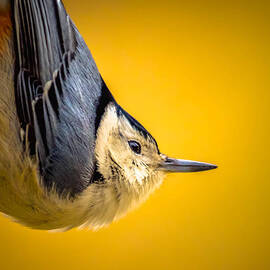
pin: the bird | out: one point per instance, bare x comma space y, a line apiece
70, 155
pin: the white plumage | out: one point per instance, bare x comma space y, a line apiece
70, 155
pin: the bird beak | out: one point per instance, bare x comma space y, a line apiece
181, 165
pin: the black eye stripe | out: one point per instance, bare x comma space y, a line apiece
135, 147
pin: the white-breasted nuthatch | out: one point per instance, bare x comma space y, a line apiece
70, 155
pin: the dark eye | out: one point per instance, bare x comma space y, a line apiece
135, 147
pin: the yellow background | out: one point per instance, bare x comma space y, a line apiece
196, 75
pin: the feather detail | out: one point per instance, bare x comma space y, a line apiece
24, 193
57, 88
44, 43
5, 25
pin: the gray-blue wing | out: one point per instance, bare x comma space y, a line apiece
57, 90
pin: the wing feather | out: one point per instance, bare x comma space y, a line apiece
57, 90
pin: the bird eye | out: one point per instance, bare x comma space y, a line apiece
135, 147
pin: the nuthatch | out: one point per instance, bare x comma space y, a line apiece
70, 155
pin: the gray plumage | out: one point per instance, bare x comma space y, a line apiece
71, 156
58, 71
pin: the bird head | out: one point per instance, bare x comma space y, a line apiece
126, 150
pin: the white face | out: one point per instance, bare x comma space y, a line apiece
122, 149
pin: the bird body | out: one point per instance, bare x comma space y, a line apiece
70, 155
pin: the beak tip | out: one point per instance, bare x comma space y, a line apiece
206, 168
213, 167
180, 165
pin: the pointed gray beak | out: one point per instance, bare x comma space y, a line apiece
181, 165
